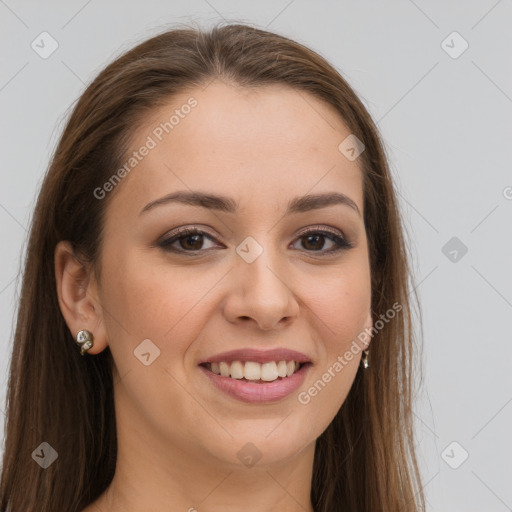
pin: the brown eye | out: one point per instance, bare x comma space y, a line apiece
314, 241
189, 240
192, 242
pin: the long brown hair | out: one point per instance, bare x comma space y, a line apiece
365, 460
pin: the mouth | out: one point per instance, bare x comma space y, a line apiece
256, 376
253, 371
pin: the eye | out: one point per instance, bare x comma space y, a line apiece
313, 240
189, 239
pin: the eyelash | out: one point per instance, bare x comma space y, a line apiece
182, 233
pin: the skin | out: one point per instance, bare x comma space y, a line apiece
178, 436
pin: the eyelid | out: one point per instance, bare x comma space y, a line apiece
321, 227
180, 230
192, 229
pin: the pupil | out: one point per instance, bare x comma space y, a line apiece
186, 239
317, 237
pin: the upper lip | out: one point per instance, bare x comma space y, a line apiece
258, 356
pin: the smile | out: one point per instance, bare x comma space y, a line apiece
254, 371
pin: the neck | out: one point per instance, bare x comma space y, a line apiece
157, 474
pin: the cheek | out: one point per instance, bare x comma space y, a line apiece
342, 301
340, 309
163, 303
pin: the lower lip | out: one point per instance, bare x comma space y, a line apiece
258, 393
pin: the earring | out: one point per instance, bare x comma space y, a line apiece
85, 340
364, 359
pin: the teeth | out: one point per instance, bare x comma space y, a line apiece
250, 370
281, 368
224, 369
269, 372
237, 370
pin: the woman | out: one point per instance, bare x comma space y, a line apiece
214, 312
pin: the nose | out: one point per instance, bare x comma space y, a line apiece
260, 293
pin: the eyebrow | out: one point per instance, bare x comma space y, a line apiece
225, 204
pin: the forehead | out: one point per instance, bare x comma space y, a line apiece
259, 142
247, 117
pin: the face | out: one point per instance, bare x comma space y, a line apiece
263, 279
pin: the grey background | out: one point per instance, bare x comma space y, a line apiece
447, 126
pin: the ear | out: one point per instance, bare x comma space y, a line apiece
77, 291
